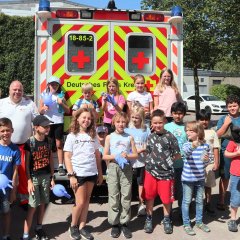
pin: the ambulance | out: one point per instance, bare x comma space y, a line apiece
89, 45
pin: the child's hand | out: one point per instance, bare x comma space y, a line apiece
227, 120
60, 101
215, 167
31, 188
100, 179
73, 183
52, 183
195, 143
45, 108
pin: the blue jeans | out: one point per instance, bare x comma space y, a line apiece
188, 189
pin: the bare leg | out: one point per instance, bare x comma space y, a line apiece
140, 189
208, 195
6, 223
149, 206
59, 145
167, 209
83, 216
28, 221
223, 185
40, 214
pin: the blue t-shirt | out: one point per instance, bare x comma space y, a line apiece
235, 122
120, 143
9, 157
140, 138
179, 133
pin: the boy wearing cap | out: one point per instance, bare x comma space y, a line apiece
40, 174
102, 132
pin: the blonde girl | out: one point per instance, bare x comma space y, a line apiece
166, 93
53, 105
119, 150
110, 109
140, 133
196, 153
83, 164
140, 95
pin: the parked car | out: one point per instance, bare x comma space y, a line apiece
208, 102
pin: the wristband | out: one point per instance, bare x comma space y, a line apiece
71, 174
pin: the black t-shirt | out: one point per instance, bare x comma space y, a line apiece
40, 152
160, 150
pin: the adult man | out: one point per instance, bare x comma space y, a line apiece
21, 111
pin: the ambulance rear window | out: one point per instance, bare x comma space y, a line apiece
140, 54
80, 53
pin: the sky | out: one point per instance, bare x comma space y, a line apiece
120, 4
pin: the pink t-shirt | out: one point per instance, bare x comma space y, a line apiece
166, 99
235, 162
110, 109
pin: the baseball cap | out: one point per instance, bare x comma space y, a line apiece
41, 120
102, 129
53, 79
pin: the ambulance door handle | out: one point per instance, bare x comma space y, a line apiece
43, 33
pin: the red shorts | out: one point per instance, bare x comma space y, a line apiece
153, 187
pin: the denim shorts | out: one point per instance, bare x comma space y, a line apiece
4, 201
235, 191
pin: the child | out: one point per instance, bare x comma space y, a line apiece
177, 128
233, 152
162, 150
110, 109
40, 174
83, 163
87, 101
233, 106
212, 140
102, 133
197, 155
140, 133
140, 95
10, 159
166, 93
53, 105
119, 150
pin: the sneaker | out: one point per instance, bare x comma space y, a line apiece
203, 227
74, 233
232, 226
61, 171
189, 230
148, 227
167, 225
116, 231
141, 210
85, 234
40, 234
126, 232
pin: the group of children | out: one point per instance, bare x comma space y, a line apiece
163, 157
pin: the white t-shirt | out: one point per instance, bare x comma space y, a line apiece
83, 148
144, 98
21, 115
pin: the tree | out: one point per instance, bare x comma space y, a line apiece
16, 52
202, 36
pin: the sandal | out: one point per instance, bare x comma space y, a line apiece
221, 207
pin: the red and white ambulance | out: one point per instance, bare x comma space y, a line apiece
81, 45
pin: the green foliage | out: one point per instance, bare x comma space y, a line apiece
16, 52
224, 90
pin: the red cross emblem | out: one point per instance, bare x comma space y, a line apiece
140, 60
80, 59
148, 85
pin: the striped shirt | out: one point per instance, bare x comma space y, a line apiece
194, 165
